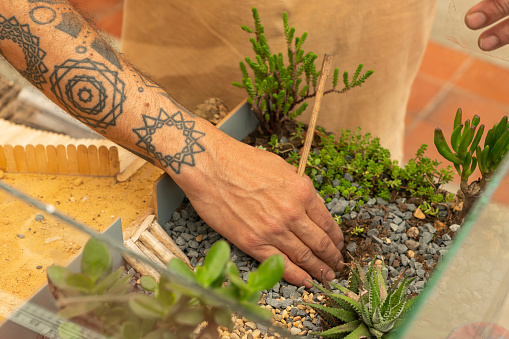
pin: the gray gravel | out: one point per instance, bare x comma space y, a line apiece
195, 237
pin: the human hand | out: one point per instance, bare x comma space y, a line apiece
258, 202
486, 13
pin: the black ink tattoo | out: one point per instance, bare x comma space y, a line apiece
155, 125
43, 15
105, 50
89, 91
51, 2
11, 29
71, 24
81, 49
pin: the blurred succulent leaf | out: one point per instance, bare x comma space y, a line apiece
96, 260
214, 264
146, 307
268, 274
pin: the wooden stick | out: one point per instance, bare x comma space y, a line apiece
156, 247
327, 60
93, 160
72, 160
160, 234
21, 160
63, 167
3, 165
83, 160
104, 161
42, 161
51, 153
149, 254
114, 161
136, 264
143, 226
31, 159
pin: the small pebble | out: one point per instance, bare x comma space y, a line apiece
39, 217
77, 182
38, 267
21, 236
2, 174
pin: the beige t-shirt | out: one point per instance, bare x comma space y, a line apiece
193, 49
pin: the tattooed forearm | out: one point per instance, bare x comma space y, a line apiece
153, 132
83, 74
89, 91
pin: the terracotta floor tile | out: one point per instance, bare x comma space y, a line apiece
489, 111
487, 80
423, 91
441, 62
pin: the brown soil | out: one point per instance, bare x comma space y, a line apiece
28, 247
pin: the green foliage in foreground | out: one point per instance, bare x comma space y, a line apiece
277, 92
368, 307
174, 310
371, 167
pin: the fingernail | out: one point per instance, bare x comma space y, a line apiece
330, 276
476, 20
489, 43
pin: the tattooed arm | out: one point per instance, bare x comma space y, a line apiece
252, 197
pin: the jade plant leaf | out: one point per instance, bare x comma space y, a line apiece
129, 330
77, 309
109, 281
80, 282
148, 283
145, 307
96, 260
190, 317
180, 268
268, 274
212, 271
58, 276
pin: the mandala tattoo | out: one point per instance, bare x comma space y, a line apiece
11, 29
89, 91
155, 125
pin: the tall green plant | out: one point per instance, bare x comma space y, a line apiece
175, 310
467, 153
278, 92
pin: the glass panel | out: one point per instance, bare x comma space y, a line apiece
467, 290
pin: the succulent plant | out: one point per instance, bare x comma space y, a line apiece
278, 92
467, 153
102, 300
368, 307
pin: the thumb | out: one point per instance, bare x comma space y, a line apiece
486, 13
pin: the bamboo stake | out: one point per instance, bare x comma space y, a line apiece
327, 60
143, 226
149, 254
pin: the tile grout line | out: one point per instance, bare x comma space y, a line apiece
435, 101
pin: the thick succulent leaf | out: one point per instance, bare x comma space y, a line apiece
77, 309
121, 286
102, 286
385, 326
129, 330
360, 332
146, 307
96, 260
376, 333
381, 281
377, 316
80, 282
365, 313
397, 310
268, 274
58, 276
340, 300
343, 315
148, 283
346, 291
341, 329
190, 317
353, 282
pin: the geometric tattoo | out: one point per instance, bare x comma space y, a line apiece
155, 125
89, 91
70, 24
101, 47
11, 29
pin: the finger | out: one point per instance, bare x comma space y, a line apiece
495, 37
486, 13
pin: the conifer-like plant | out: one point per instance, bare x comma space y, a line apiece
278, 92
467, 153
368, 307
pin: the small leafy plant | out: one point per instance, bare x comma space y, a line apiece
175, 310
357, 230
467, 153
426, 208
277, 92
357, 167
368, 307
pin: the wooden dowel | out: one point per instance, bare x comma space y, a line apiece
72, 160
327, 60
31, 159
3, 165
156, 247
161, 235
42, 161
136, 264
51, 153
114, 161
63, 167
149, 254
21, 160
93, 160
143, 227
83, 160
10, 160
104, 161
